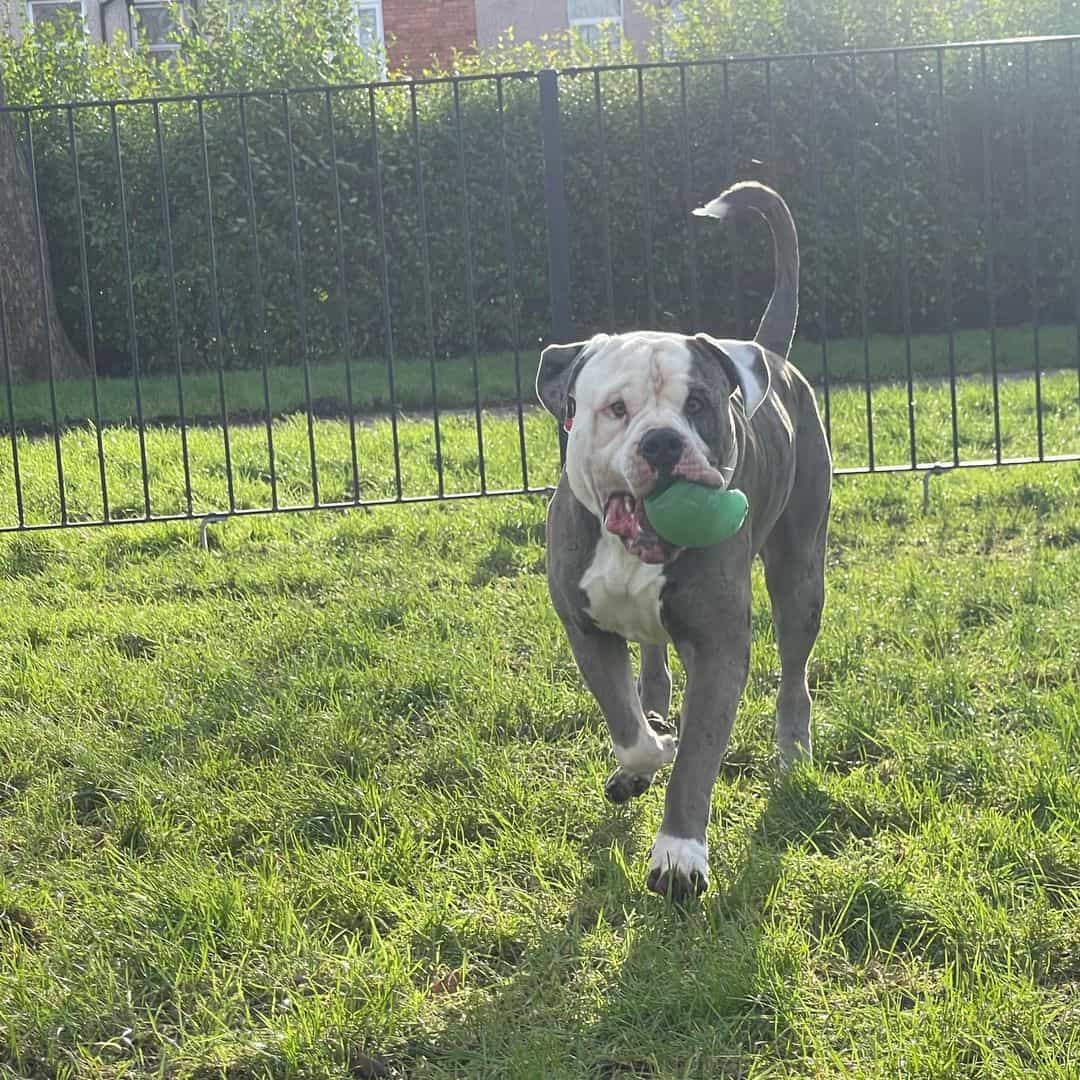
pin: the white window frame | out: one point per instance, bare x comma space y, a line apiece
603, 21
167, 48
380, 34
370, 5
32, 4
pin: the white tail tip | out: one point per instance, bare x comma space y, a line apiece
718, 209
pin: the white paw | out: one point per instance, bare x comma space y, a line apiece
678, 864
650, 753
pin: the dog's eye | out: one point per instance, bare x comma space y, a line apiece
694, 405
617, 409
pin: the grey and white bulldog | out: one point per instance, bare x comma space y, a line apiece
640, 408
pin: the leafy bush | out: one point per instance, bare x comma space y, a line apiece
255, 185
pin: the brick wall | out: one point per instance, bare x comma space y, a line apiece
417, 30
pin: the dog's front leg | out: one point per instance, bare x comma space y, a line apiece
642, 744
716, 673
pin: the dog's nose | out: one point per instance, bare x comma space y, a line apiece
662, 447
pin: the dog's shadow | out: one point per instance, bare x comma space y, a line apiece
628, 983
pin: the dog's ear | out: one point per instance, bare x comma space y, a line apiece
744, 364
558, 371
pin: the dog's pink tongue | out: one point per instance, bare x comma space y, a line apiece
621, 521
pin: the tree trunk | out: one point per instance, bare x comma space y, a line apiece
29, 318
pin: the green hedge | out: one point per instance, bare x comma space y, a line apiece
634, 169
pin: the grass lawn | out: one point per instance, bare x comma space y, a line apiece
325, 800
496, 377
376, 464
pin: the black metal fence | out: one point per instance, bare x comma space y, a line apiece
335, 296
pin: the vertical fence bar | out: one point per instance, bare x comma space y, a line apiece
687, 196
860, 256
470, 284
770, 126
429, 310
384, 274
990, 246
135, 369
511, 282
819, 244
174, 313
343, 292
1074, 172
15, 471
1033, 244
260, 298
905, 270
646, 203
605, 207
43, 287
88, 311
730, 178
947, 247
558, 217
301, 294
215, 310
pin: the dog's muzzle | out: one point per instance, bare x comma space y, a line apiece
667, 456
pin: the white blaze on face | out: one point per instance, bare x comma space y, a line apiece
648, 375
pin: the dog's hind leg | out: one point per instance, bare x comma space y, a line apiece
654, 681
794, 558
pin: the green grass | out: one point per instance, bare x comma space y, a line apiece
325, 800
460, 457
496, 376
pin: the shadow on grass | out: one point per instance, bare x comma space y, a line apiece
631, 984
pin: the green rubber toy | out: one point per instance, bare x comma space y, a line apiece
692, 515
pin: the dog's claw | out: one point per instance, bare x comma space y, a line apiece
621, 786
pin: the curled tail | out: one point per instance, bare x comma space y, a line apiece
777, 326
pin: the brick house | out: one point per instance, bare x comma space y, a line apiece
414, 31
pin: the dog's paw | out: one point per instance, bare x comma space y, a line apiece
793, 754
678, 867
655, 747
638, 764
660, 726
622, 786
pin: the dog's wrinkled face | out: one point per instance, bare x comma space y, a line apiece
646, 408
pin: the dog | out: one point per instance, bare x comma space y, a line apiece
643, 407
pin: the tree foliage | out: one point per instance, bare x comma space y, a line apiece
906, 177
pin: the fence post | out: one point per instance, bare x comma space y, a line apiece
556, 217
555, 211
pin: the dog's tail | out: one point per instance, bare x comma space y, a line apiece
777, 326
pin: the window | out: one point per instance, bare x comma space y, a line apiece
597, 21
369, 26
153, 28
53, 11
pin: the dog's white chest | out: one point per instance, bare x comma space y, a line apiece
624, 593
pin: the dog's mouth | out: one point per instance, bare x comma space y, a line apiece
625, 517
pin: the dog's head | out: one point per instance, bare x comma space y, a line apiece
645, 407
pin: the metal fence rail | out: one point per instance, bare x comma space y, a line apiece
331, 297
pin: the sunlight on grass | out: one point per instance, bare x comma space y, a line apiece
326, 799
